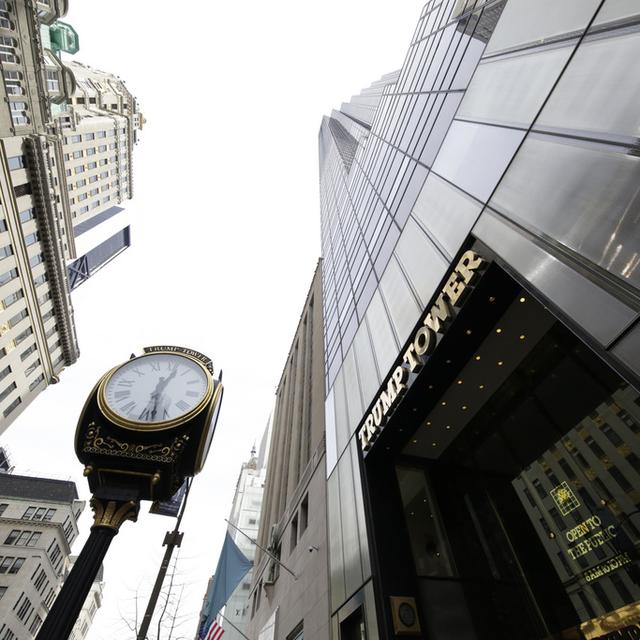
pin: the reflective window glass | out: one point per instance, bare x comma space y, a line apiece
596, 92
584, 196
524, 22
446, 212
511, 90
474, 156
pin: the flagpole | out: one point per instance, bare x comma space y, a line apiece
233, 625
273, 557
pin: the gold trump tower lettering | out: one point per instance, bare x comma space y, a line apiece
422, 344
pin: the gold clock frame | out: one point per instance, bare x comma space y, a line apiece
139, 425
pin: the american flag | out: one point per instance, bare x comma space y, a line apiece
215, 632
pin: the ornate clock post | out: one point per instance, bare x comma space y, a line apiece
146, 426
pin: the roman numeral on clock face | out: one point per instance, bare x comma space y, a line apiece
182, 405
121, 395
128, 406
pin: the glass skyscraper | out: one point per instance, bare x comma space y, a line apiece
481, 246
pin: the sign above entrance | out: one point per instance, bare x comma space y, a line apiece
422, 344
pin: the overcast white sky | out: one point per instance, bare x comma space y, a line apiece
225, 233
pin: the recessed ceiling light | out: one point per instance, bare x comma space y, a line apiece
468, 332
430, 386
414, 441
498, 330
522, 299
428, 423
464, 407
443, 403
448, 427
448, 361
500, 363
481, 386
477, 357
492, 298
522, 337
434, 444
459, 381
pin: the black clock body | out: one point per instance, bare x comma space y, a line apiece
133, 454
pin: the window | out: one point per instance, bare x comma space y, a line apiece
55, 554
611, 435
12, 537
84, 209
53, 82
40, 580
78, 170
7, 391
22, 335
36, 259
15, 567
14, 88
92, 165
304, 514
36, 382
6, 251
78, 154
29, 370
17, 162
22, 189
31, 238
101, 134
6, 563
82, 196
93, 179
620, 478
72, 139
93, 192
27, 214
33, 539
81, 183
298, 633
294, 533
102, 147
103, 162
3, 590
35, 625
14, 320
89, 136
40, 279
104, 174
12, 297
91, 151
8, 275
24, 609
5, 372
27, 352
3, 507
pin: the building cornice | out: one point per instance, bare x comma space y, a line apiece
44, 199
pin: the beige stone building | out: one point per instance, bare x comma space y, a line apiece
293, 522
66, 137
38, 524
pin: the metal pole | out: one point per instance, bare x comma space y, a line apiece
172, 539
234, 626
109, 515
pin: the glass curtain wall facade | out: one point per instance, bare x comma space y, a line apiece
511, 128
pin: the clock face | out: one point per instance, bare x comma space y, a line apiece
156, 388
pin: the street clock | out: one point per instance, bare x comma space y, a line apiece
148, 422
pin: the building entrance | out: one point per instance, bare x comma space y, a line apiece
511, 500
